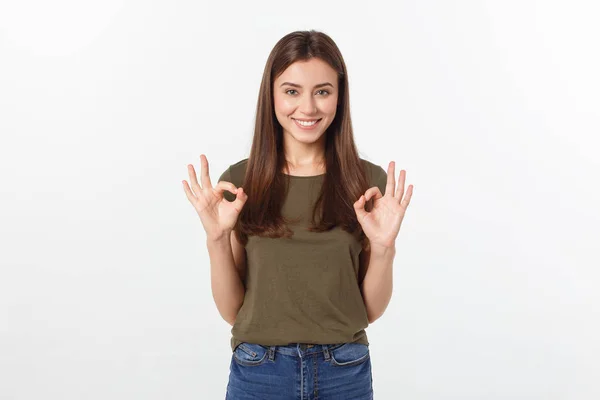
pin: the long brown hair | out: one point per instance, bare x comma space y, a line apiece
345, 178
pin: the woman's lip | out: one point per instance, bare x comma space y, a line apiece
307, 128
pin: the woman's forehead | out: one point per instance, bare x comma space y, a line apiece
310, 73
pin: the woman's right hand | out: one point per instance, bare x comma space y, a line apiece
218, 215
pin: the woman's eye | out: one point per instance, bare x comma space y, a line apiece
324, 92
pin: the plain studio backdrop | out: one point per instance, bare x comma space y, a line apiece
491, 107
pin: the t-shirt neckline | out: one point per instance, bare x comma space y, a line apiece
303, 176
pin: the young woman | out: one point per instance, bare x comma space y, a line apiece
301, 235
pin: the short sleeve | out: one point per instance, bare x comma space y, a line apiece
226, 176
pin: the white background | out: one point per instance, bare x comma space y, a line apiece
492, 107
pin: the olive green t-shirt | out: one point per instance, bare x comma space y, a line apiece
302, 289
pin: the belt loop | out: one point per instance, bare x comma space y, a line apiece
271, 352
326, 351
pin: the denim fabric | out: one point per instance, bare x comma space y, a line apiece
300, 372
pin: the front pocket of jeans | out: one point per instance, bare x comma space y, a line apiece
250, 354
350, 354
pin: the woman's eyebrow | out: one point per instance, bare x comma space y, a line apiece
299, 86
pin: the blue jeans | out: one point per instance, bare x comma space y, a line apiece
300, 372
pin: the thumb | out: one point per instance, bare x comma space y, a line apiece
240, 199
359, 208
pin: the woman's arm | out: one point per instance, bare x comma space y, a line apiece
227, 271
377, 285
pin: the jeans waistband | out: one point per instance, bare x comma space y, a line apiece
298, 349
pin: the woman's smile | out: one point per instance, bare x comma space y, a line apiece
307, 124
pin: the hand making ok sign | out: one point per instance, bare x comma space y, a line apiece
382, 224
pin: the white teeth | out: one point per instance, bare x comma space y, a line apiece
303, 123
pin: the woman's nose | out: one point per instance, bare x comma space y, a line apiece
308, 106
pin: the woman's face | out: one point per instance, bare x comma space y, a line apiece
307, 91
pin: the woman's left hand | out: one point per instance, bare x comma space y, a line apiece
382, 224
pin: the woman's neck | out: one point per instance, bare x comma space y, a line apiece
308, 168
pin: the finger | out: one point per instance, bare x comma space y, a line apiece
240, 199
406, 201
192, 173
401, 181
188, 192
391, 179
374, 191
204, 173
224, 185
359, 207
